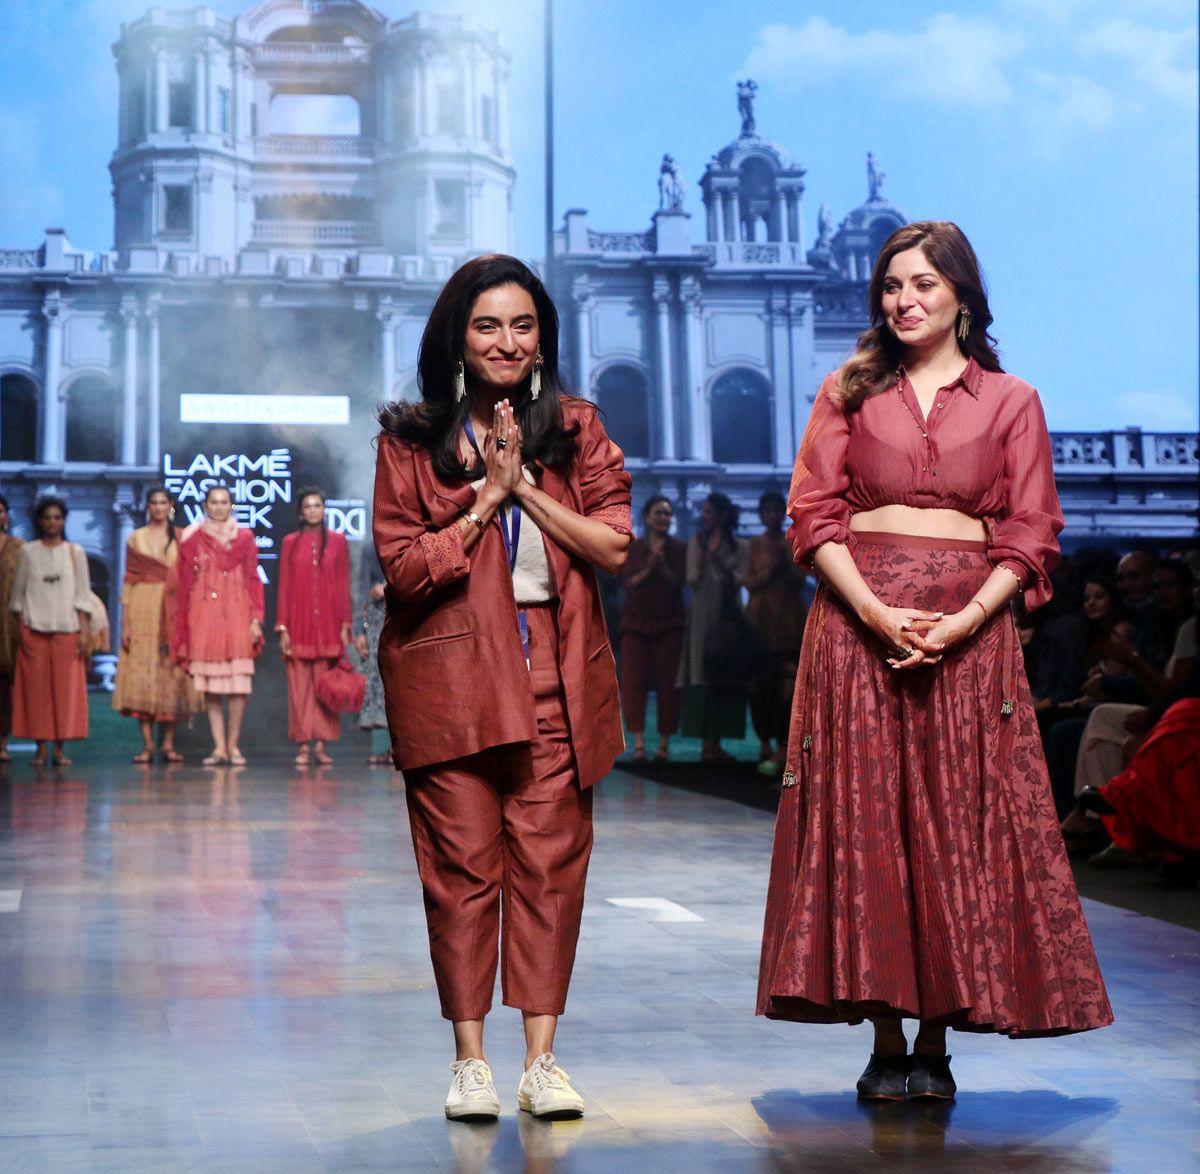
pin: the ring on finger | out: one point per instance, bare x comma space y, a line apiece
501, 442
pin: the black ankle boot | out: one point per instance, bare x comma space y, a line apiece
930, 1078
884, 1078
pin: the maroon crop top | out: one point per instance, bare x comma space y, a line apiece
984, 451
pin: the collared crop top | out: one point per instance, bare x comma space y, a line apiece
984, 451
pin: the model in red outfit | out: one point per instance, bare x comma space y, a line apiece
495, 497
313, 622
652, 623
218, 621
918, 871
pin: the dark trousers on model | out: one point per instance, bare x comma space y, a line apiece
646, 662
506, 833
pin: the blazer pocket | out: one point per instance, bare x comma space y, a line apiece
436, 638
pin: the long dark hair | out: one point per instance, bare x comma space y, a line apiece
50, 501
313, 491
728, 512
151, 492
435, 421
872, 367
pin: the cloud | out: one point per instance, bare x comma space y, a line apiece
951, 59
1160, 60
1159, 411
1067, 103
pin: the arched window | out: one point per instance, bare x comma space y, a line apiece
622, 396
91, 420
18, 418
741, 418
881, 228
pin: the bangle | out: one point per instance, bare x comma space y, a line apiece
472, 516
981, 608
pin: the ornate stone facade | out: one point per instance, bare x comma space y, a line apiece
706, 353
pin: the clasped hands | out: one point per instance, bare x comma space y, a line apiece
502, 458
928, 634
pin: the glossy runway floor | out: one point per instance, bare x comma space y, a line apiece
228, 971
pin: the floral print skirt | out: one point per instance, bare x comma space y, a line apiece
918, 867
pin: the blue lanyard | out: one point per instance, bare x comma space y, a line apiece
511, 533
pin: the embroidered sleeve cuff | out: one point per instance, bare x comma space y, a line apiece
1015, 568
617, 517
444, 554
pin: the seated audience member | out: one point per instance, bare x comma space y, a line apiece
1107, 729
1152, 807
1135, 580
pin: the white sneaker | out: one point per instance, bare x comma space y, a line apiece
545, 1090
472, 1093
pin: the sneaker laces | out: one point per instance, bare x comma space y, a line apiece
549, 1075
471, 1075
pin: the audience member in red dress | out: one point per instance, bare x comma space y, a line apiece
652, 623
313, 621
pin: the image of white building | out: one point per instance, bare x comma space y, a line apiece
253, 257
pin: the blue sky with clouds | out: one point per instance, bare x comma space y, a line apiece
1061, 134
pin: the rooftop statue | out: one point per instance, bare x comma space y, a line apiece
670, 186
875, 178
745, 100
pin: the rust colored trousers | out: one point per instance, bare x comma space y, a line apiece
651, 661
502, 840
50, 688
308, 719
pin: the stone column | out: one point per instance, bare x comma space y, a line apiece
801, 355
742, 234
583, 335
661, 294
124, 503
795, 225
154, 390
200, 103
782, 381
52, 400
781, 217
699, 423
129, 388
162, 109
388, 318
711, 209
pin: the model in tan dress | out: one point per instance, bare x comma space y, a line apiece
149, 685
10, 626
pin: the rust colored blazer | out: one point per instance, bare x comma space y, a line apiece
454, 673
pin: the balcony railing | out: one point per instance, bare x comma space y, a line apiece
315, 232
620, 242
311, 53
1130, 451
312, 146
751, 254
20, 259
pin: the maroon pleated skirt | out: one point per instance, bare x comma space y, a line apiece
918, 867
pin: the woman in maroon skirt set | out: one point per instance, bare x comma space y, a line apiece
918, 869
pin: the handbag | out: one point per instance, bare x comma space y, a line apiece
342, 688
733, 648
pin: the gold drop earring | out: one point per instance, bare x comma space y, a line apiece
964, 323
460, 383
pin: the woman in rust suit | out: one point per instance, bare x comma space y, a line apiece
495, 497
918, 872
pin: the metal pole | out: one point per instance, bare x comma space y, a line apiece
548, 25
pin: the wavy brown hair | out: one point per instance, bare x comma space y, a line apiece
872, 367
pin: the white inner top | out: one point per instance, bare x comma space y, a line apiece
531, 576
51, 586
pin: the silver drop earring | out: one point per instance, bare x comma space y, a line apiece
535, 380
460, 383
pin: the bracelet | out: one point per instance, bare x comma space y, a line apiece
472, 516
981, 608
